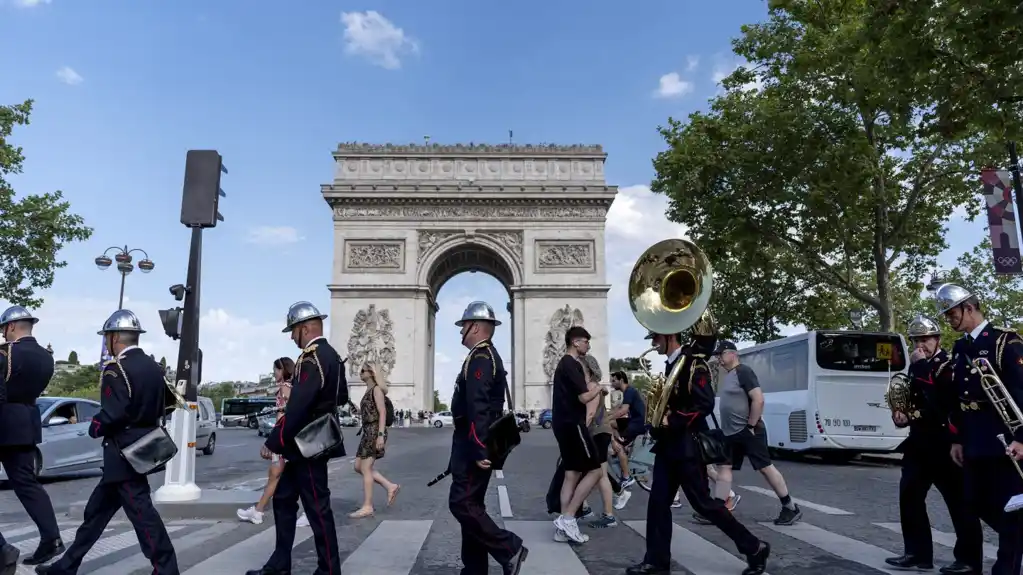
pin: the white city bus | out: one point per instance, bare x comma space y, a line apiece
824, 391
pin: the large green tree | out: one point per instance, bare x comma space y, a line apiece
822, 177
33, 228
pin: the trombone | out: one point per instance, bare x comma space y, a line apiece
1007, 409
669, 292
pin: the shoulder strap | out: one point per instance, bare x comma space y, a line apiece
9, 352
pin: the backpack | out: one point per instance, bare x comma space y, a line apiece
390, 412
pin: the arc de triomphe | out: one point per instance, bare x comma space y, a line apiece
409, 217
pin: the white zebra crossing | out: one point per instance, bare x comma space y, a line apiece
393, 547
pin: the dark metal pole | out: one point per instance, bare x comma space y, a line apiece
120, 300
1016, 185
188, 352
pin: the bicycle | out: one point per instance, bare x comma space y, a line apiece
641, 461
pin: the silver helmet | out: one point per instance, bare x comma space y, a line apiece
923, 326
478, 311
949, 296
17, 313
300, 312
122, 320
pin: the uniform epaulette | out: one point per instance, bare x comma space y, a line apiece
481, 351
109, 362
311, 348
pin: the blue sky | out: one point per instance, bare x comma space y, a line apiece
123, 91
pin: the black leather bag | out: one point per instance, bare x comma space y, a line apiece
322, 436
503, 436
713, 449
151, 451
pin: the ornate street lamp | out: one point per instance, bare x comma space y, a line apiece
123, 258
938, 278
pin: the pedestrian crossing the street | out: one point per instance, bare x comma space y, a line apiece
428, 546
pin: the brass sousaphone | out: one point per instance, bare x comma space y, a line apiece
669, 291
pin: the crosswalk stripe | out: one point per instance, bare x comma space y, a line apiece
392, 548
66, 535
15, 533
546, 556
103, 547
800, 502
839, 545
696, 554
943, 539
248, 554
138, 561
503, 502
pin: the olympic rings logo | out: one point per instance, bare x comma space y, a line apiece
1007, 261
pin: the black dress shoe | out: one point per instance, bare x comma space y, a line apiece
267, 571
45, 552
959, 568
910, 562
756, 563
647, 569
515, 565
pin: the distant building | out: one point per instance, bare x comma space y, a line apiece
62, 366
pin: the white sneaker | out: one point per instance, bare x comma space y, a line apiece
303, 521
622, 499
250, 515
559, 536
571, 529
676, 503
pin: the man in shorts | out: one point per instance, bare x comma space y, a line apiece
579, 455
630, 419
742, 408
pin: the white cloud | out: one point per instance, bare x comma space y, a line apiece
273, 235
234, 347
30, 3
672, 85
376, 38
722, 71
68, 76
692, 63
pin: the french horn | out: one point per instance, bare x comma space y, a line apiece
669, 293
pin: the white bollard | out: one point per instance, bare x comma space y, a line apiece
179, 479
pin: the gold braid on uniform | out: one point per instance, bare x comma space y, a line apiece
699, 364
8, 352
941, 367
308, 355
117, 361
488, 354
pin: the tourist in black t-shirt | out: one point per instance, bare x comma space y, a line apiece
578, 452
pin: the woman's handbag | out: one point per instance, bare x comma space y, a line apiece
322, 435
712, 444
151, 451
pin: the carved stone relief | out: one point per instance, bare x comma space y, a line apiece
372, 341
430, 238
554, 343
510, 240
564, 255
374, 255
468, 213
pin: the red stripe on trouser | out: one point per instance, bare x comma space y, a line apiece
323, 524
149, 538
471, 505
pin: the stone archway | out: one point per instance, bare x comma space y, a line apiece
408, 218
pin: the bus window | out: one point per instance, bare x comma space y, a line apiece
860, 352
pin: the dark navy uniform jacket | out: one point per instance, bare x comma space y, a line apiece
133, 398
975, 421
932, 394
25, 371
318, 388
690, 403
478, 400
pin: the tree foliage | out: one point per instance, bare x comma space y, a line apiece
438, 405
821, 179
80, 382
33, 228
218, 392
72, 357
627, 364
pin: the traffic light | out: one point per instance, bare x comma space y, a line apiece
200, 199
172, 319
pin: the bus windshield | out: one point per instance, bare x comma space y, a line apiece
841, 351
245, 406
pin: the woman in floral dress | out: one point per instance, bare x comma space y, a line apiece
373, 411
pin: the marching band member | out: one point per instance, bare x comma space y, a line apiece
926, 460
678, 461
990, 477
476, 404
318, 388
25, 371
133, 397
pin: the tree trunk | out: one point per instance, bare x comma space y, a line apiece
885, 318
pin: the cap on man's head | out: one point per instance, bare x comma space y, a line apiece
725, 345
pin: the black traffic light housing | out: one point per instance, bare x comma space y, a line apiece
172, 321
200, 199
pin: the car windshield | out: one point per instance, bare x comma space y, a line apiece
42, 404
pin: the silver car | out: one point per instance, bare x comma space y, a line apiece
66, 445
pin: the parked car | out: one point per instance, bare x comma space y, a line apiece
523, 420
441, 419
206, 426
66, 445
545, 420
